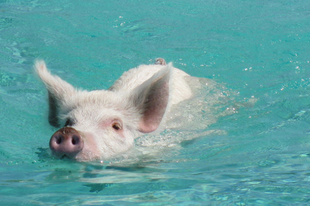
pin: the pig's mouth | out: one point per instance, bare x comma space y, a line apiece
67, 157
64, 157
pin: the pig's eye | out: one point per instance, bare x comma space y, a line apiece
69, 123
116, 125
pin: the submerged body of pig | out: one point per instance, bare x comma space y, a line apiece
103, 123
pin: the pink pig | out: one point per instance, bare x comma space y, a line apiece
103, 123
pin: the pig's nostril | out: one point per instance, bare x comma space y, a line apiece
59, 139
75, 140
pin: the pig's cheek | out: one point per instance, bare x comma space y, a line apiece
90, 146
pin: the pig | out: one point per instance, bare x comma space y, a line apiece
101, 124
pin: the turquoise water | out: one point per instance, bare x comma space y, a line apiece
258, 49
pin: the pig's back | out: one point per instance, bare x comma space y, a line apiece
134, 77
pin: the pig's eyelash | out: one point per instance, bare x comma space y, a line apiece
117, 125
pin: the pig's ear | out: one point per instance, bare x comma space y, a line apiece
151, 99
59, 92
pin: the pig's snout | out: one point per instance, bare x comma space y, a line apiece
66, 142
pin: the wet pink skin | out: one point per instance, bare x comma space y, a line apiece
66, 142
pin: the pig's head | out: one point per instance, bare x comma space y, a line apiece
100, 124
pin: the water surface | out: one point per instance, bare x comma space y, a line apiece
259, 155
